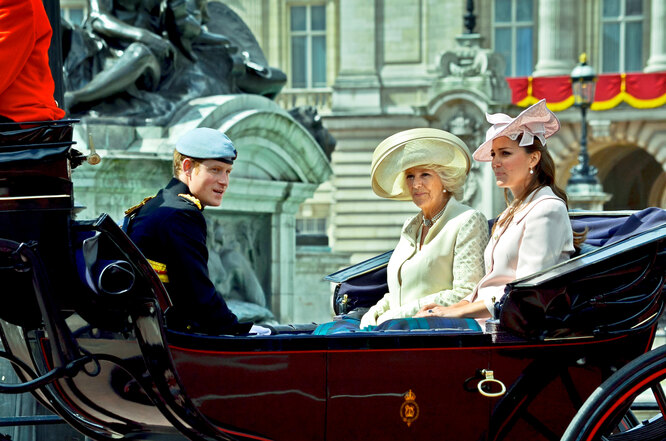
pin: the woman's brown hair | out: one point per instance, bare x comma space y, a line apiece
544, 176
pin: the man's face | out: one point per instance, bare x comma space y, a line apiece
208, 181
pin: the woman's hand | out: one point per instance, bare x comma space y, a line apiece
426, 307
434, 310
461, 309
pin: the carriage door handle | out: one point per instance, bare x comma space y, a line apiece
486, 384
489, 379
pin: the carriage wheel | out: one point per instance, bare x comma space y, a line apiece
606, 414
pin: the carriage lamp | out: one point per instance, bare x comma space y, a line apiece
583, 186
583, 82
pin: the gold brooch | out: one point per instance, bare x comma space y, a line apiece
409, 411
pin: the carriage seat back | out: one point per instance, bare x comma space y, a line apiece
36, 204
614, 289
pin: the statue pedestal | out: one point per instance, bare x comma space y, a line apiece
314, 298
279, 166
587, 197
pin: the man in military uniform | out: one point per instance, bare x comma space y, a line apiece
170, 230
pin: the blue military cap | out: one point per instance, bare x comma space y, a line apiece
205, 143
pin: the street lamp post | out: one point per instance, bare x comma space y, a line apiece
583, 187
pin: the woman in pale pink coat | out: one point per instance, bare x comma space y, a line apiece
534, 232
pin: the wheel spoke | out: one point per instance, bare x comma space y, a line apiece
629, 420
660, 397
604, 414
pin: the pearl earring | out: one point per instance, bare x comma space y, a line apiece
531, 171
444, 191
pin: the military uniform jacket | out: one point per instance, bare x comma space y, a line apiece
170, 230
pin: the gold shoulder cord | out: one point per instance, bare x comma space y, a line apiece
135, 208
192, 199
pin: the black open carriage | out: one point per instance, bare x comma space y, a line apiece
82, 323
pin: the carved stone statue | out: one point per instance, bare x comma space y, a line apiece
233, 264
469, 128
142, 58
462, 124
308, 117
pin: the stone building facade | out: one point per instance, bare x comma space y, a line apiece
387, 69
375, 67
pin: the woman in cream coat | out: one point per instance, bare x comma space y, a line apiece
439, 258
534, 232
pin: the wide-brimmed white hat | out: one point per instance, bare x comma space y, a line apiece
535, 121
412, 148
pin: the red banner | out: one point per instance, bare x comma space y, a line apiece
639, 90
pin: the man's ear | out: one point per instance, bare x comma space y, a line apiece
187, 165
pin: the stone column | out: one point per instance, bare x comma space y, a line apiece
272, 21
657, 60
357, 85
283, 251
555, 38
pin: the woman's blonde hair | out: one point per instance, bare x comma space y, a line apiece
544, 176
453, 178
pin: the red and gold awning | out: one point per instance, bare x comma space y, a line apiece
639, 90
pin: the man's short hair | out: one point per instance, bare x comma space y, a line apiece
178, 159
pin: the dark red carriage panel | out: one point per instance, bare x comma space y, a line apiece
547, 382
406, 394
280, 395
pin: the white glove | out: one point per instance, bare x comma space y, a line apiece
370, 317
388, 315
259, 330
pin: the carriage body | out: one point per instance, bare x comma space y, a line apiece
107, 364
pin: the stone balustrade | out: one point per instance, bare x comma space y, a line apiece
319, 98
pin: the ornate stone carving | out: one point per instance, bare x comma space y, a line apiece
462, 124
468, 128
239, 263
470, 66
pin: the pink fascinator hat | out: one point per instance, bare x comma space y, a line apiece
537, 121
